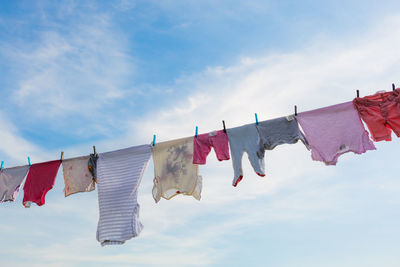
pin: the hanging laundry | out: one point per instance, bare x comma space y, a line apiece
203, 143
40, 180
245, 139
119, 175
10, 182
92, 166
381, 113
284, 130
174, 171
333, 131
77, 177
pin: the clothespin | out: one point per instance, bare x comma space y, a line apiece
393, 87
95, 155
295, 110
197, 131
29, 161
223, 123
154, 140
358, 93
2, 165
255, 114
62, 155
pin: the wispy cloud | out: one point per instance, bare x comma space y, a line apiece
68, 71
76, 65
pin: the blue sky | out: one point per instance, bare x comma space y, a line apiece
113, 73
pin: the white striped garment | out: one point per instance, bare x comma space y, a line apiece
119, 173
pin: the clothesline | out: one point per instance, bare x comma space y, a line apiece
196, 132
327, 132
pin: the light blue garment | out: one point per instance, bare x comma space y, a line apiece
118, 175
245, 139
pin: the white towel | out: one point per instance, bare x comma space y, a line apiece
119, 173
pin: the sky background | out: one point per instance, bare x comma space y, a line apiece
112, 73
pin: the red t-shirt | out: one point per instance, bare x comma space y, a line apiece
39, 181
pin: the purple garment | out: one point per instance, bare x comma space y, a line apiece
333, 131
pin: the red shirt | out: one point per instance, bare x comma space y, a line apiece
39, 181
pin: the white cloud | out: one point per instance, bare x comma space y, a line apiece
125, 5
328, 72
79, 67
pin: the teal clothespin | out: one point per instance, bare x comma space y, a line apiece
197, 131
255, 114
29, 161
2, 164
154, 140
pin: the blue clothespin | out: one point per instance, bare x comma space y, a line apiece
154, 140
2, 164
255, 114
29, 161
197, 131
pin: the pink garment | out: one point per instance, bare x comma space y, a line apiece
40, 180
202, 146
333, 131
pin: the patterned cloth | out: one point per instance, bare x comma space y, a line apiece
77, 177
174, 171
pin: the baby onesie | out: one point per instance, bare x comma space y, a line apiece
245, 139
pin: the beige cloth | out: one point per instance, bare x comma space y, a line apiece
174, 171
77, 177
